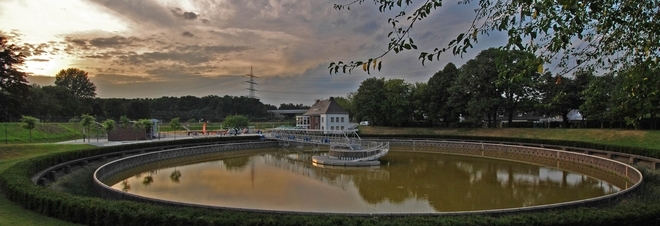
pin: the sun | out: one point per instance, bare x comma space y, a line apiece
46, 65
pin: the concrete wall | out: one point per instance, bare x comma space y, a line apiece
604, 166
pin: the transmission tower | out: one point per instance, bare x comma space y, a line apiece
252, 83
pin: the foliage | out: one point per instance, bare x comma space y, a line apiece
108, 125
516, 80
368, 101
477, 83
440, 109
612, 33
58, 102
125, 121
561, 95
86, 121
291, 106
597, 96
399, 104
235, 121
13, 82
77, 82
30, 123
174, 123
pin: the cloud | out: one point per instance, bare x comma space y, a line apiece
38, 60
189, 16
187, 34
114, 41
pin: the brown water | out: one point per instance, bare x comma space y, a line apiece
406, 182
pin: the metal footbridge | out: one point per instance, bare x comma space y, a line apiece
345, 145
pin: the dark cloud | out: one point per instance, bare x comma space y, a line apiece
38, 60
76, 41
114, 41
187, 34
152, 57
190, 54
189, 16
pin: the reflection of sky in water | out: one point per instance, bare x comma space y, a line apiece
405, 182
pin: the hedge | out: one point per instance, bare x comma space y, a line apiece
640, 207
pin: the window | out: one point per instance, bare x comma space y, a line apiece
520, 114
322, 119
322, 127
342, 120
342, 127
332, 127
332, 119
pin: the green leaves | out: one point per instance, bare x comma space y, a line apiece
603, 34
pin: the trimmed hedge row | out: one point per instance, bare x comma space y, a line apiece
641, 207
653, 153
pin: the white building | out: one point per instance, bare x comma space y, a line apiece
324, 115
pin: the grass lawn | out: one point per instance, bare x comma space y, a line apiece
634, 138
12, 214
42, 133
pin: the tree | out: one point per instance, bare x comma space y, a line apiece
598, 95
124, 121
145, 124
86, 121
108, 125
30, 123
77, 82
235, 122
398, 107
368, 101
420, 100
516, 80
612, 33
68, 104
438, 85
41, 103
174, 124
13, 83
477, 82
561, 95
636, 94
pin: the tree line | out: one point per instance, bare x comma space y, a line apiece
503, 82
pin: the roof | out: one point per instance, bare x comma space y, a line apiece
329, 106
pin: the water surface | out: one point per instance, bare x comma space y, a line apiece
406, 182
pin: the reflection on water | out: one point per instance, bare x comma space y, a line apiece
405, 182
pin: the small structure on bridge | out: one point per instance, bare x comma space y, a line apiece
346, 146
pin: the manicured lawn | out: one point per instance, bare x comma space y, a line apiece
12, 214
634, 138
42, 133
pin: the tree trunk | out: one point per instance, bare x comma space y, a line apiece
564, 117
489, 119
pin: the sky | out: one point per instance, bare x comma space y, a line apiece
155, 48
